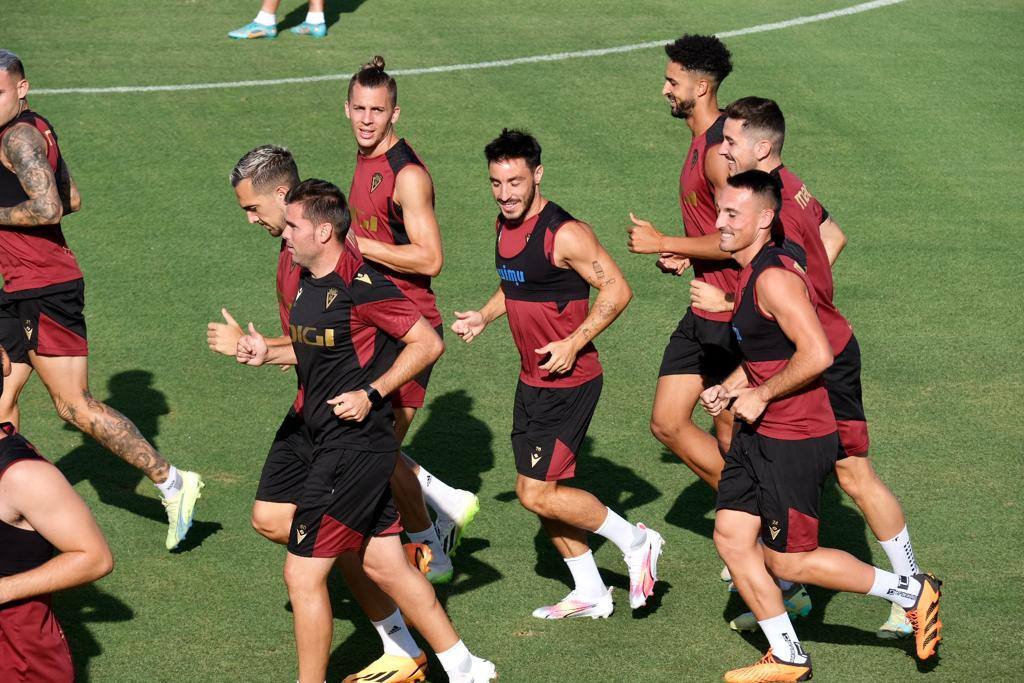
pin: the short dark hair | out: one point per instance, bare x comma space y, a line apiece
372, 75
514, 144
767, 187
762, 115
11, 63
706, 54
267, 166
322, 202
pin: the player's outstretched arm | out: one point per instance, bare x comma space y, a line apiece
644, 238
414, 192
782, 295
39, 492
833, 238
23, 152
422, 346
470, 324
577, 247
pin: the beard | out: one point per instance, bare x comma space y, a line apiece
524, 206
682, 109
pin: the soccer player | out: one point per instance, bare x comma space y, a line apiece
547, 261
262, 179
392, 199
755, 131
41, 321
265, 23
40, 515
344, 323
787, 443
701, 351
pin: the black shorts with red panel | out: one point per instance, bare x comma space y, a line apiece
699, 346
780, 481
288, 462
842, 381
49, 321
345, 500
32, 644
413, 393
548, 427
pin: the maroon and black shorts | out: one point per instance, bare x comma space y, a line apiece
413, 393
345, 500
48, 321
700, 347
842, 381
548, 426
32, 644
779, 481
287, 465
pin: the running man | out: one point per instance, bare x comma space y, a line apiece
392, 200
547, 261
345, 322
42, 325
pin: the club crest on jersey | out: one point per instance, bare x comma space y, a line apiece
377, 179
332, 294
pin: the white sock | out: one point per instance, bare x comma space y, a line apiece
315, 17
782, 639
441, 497
901, 553
266, 18
903, 590
395, 636
171, 485
456, 659
620, 532
428, 537
586, 577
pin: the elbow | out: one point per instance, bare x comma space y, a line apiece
102, 563
822, 359
433, 267
75, 204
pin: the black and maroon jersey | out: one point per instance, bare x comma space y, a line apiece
700, 213
344, 328
20, 549
288, 275
766, 350
376, 216
37, 256
802, 216
545, 303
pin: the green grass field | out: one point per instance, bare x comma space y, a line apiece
904, 120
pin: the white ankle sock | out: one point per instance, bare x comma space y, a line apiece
315, 17
903, 590
620, 532
782, 639
585, 576
171, 485
266, 18
395, 636
440, 496
456, 659
901, 553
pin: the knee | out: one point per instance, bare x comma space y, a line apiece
665, 429
855, 476
531, 497
298, 580
270, 527
727, 546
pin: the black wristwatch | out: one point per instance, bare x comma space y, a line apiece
373, 395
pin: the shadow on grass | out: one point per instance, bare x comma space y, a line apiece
333, 9
78, 607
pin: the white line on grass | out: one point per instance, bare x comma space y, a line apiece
556, 57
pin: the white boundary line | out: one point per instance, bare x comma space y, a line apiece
556, 57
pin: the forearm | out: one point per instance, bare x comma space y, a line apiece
737, 379
494, 308
66, 570
414, 358
42, 210
611, 300
280, 351
704, 247
803, 368
414, 259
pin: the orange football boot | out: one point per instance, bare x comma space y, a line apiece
419, 556
770, 668
924, 616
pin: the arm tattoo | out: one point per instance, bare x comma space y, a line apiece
25, 150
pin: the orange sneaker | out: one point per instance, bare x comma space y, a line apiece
770, 668
419, 555
924, 616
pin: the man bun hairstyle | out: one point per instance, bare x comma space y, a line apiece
373, 75
706, 54
514, 144
766, 187
762, 117
11, 63
322, 202
267, 166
